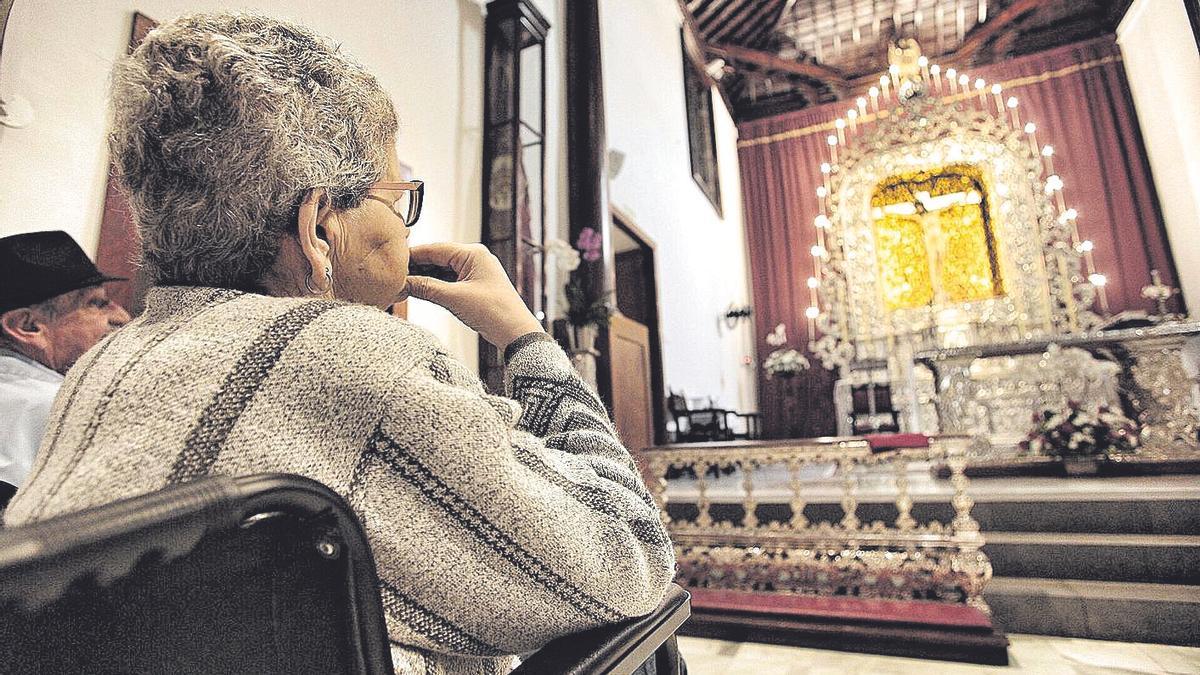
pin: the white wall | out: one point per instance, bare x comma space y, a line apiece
702, 257
428, 55
1163, 66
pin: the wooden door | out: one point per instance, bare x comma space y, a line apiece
632, 394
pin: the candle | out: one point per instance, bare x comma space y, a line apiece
873, 92
996, 89
979, 85
840, 125
952, 77
894, 73
1012, 108
833, 141
884, 82
923, 62
862, 106
852, 115
1031, 129
936, 71
1048, 155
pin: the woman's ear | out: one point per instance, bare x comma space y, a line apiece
310, 230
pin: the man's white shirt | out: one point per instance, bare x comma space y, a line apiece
27, 390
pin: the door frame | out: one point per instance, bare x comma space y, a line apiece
622, 220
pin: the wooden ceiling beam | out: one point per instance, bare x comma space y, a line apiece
769, 61
766, 17
706, 14
720, 23
979, 37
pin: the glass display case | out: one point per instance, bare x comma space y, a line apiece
514, 155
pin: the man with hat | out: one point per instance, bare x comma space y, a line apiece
53, 308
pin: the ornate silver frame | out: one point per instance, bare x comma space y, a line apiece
1047, 291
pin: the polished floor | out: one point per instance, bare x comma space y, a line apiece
1027, 654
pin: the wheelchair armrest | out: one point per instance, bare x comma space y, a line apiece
617, 649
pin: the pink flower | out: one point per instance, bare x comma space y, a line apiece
590, 244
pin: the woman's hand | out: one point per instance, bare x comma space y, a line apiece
483, 297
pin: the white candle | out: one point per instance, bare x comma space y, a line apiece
936, 71
884, 82
852, 115
833, 142
840, 125
873, 92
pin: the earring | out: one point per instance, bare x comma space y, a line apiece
308, 285
308, 282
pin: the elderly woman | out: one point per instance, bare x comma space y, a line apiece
260, 164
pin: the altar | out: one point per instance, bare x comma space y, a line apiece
953, 291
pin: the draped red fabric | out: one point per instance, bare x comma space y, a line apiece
1079, 99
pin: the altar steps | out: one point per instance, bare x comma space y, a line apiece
1102, 610
1121, 563
1139, 558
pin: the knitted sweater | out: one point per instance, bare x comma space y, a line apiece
497, 524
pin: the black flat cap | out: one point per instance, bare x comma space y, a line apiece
37, 266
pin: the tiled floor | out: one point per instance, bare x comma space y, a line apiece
1027, 654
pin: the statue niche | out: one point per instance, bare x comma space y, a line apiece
934, 241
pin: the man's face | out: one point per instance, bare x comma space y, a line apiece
84, 317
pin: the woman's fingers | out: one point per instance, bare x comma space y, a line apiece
428, 288
457, 257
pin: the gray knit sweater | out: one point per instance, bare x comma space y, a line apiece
497, 523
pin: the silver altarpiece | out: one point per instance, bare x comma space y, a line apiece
977, 350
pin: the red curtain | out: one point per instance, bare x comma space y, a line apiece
1079, 99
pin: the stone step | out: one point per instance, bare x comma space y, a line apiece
1099, 610
1166, 559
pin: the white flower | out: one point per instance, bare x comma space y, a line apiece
565, 257
778, 337
785, 362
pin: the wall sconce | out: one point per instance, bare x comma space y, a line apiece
735, 314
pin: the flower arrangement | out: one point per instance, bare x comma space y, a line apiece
786, 363
586, 304
1078, 432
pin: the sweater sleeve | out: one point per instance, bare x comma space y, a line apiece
500, 523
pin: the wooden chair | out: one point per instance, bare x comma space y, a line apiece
261, 574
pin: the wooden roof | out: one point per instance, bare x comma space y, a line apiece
787, 54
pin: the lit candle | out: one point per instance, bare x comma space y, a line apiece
924, 63
1031, 130
873, 92
996, 89
832, 140
1012, 108
1048, 155
894, 72
936, 71
979, 85
884, 83
852, 115
862, 106
952, 77
840, 125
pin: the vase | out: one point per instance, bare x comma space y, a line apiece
583, 351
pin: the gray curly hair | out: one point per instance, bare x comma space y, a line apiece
222, 123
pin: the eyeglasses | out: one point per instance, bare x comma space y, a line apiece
408, 205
